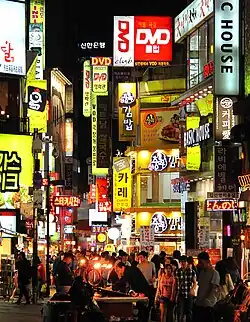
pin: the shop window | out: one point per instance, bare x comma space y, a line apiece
211, 39
157, 188
202, 48
193, 63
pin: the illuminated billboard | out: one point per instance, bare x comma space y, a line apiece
16, 170
12, 38
142, 41
87, 83
127, 105
37, 34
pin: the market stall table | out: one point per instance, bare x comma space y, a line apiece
121, 306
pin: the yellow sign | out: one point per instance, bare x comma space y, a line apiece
94, 126
160, 128
122, 189
101, 237
69, 137
194, 152
38, 119
37, 14
86, 88
110, 248
205, 105
128, 109
100, 79
16, 169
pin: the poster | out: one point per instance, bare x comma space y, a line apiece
160, 128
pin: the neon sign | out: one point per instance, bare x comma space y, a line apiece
66, 201
244, 182
159, 161
221, 205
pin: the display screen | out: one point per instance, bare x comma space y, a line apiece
221, 205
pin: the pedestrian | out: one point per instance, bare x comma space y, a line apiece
233, 269
58, 259
24, 275
226, 283
147, 268
131, 278
63, 273
186, 286
177, 256
133, 260
165, 294
208, 291
40, 277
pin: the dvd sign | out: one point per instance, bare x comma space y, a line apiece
145, 39
36, 98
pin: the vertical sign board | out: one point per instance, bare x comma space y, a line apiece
102, 132
224, 180
87, 84
100, 79
37, 34
122, 184
127, 113
227, 47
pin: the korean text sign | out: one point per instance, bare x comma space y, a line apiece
122, 190
191, 17
87, 88
66, 201
127, 105
16, 162
224, 118
100, 79
12, 38
142, 39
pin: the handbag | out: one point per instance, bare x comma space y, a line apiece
155, 313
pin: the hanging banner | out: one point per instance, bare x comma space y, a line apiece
100, 79
122, 186
104, 205
127, 105
86, 88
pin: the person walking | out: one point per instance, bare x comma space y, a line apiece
165, 294
208, 291
24, 275
186, 286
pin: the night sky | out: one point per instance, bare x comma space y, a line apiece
70, 22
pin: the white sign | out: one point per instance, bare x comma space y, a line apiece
92, 45
191, 17
123, 41
37, 199
160, 161
146, 236
195, 136
12, 38
162, 224
9, 223
36, 44
86, 88
226, 47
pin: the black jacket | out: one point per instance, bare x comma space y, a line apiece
133, 279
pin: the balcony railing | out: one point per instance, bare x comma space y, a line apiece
14, 125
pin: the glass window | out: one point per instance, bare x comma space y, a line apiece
202, 48
193, 59
211, 39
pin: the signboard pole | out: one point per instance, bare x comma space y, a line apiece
47, 221
35, 251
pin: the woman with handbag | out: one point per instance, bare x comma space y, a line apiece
165, 293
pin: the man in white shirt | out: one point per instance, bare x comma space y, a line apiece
147, 268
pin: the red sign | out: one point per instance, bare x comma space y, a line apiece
66, 201
153, 39
221, 205
101, 61
104, 204
208, 69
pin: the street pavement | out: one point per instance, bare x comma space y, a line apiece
10, 312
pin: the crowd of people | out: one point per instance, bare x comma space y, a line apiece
181, 290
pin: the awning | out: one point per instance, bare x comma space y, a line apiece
208, 81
